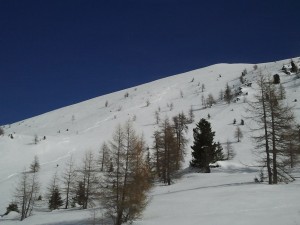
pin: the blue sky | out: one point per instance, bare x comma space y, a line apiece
56, 53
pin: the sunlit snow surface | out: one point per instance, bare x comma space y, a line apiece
226, 196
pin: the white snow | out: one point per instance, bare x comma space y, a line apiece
226, 196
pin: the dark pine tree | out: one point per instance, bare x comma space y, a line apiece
11, 207
294, 68
55, 200
204, 147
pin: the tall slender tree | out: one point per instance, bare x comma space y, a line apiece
69, 181
228, 94
26, 193
180, 128
275, 119
124, 192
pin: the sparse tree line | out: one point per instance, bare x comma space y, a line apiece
276, 134
118, 178
169, 145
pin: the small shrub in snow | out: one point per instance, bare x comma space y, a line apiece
12, 207
276, 79
35, 139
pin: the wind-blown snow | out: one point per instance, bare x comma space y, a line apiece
227, 196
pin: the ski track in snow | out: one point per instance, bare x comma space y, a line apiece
60, 158
97, 124
205, 187
9, 177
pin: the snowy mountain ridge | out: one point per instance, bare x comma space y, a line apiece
74, 129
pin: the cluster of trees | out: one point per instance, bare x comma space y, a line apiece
119, 178
26, 192
226, 95
169, 147
276, 134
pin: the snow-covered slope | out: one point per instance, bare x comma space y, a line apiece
217, 198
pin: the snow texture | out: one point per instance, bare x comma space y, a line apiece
226, 196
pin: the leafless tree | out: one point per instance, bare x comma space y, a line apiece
35, 165
126, 184
166, 154
181, 93
202, 87
104, 157
281, 91
26, 193
230, 153
274, 120
69, 180
157, 117
221, 95
210, 100
180, 128
191, 115
87, 178
147, 102
35, 139
238, 134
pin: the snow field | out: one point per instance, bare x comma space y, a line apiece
226, 196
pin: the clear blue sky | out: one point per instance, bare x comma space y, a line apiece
59, 52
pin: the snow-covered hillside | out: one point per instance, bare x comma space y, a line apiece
227, 196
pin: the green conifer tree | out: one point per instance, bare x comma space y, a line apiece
55, 200
204, 147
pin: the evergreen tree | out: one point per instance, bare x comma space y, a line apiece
228, 94
204, 147
55, 200
294, 68
12, 207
